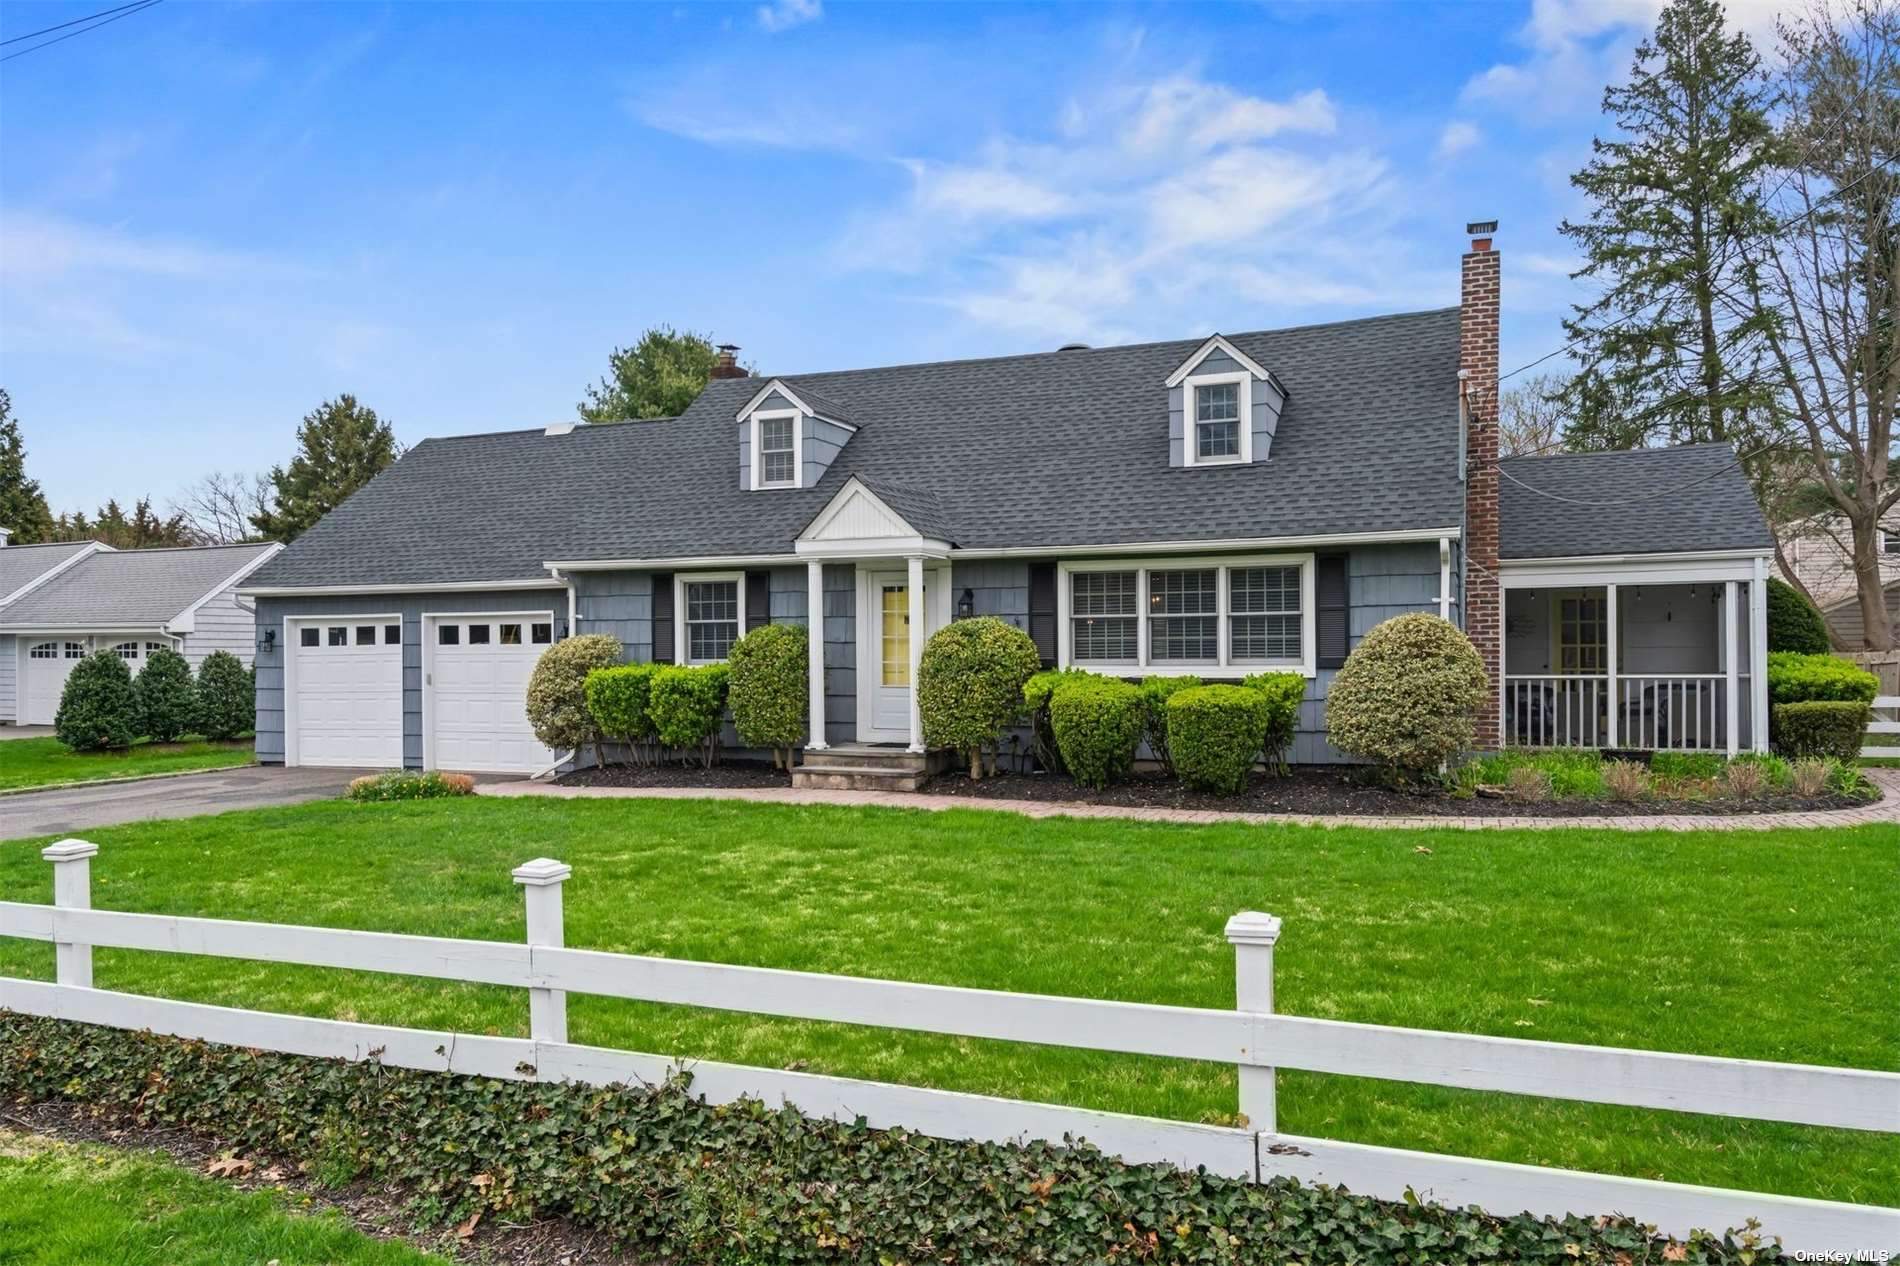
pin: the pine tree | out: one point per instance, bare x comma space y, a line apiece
1667, 354
655, 378
23, 508
340, 447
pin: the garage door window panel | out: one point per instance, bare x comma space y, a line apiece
309, 637
337, 636
543, 634
478, 635
448, 634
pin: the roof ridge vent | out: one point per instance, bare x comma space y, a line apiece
560, 428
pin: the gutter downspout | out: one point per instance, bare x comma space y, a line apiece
573, 628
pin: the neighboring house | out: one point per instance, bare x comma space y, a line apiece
1216, 506
59, 603
1819, 552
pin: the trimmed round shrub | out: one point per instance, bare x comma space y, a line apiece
1215, 733
970, 684
1821, 727
770, 690
1407, 694
168, 699
1284, 692
1155, 693
617, 699
227, 701
1794, 623
1796, 678
99, 708
1097, 723
687, 705
557, 691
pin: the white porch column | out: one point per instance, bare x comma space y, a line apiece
815, 649
1731, 664
1612, 638
1758, 653
915, 588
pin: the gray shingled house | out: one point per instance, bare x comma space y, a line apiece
59, 603
1216, 506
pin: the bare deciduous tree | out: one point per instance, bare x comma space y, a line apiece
1531, 417
1830, 275
218, 509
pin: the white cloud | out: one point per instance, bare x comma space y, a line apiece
782, 15
1457, 137
1187, 113
984, 193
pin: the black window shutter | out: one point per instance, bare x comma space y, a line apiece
1042, 611
758, 600
663, 617
1332, 609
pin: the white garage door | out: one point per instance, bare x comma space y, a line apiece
48, 663
476, 711
346, 693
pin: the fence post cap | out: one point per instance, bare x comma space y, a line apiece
1250, 927
541, 872
69, 851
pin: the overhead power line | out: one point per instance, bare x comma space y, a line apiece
46, 30
104, 20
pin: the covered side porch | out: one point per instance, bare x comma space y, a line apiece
1644, 653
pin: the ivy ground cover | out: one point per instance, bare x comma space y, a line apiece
1776, 945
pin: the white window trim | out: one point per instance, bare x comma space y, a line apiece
680, 581
1227, 667
1190, 437
798, 448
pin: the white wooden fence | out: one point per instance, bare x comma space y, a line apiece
1251, 1036
1886, 721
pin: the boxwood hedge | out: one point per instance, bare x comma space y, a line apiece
675, 1179
1794, 678
1097, 722
1821, 727
1216, 733
770, 689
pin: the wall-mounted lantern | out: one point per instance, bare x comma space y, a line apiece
966, 604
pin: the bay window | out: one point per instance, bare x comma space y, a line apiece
1204, 615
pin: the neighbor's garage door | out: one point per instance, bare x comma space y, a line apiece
476, 708
49, 662
346, 693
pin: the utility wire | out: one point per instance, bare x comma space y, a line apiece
45, 30
108, 21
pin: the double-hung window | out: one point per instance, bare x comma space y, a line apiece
1205, 615
710, 615
1217, 421
776, 434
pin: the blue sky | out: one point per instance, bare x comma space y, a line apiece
214, 216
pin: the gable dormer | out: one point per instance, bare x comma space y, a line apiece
1223, 408
788, 437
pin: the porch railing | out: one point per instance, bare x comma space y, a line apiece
1653, 712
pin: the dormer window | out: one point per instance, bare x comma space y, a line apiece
775, 445
1217, 421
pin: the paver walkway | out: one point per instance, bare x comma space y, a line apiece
1886, 809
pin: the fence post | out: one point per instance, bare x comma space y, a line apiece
1252, 935
72, 890
541, 881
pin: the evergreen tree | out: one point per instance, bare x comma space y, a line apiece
1668, 355
341, 446
23, 508
655, 378
141, 529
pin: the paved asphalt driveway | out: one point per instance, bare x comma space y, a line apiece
248, 787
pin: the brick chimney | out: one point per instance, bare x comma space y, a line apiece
727, 365
1478, 390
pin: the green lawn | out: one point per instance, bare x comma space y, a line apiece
37, 762
1769, 945
61, 1204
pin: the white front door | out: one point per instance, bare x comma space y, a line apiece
478, 692
889, 659
49, 662
345, 692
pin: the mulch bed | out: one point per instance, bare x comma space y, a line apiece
726, 774
376, 1212
1325, 792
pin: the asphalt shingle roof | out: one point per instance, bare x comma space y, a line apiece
1643, 501
1051, 449
132, 588
22, 564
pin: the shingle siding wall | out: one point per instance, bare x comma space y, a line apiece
271, 613
221, 625
1000, 589
841, 653
9, 679
620, 604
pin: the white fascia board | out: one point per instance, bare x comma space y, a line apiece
421, 586
689, 562
772, 385
1218, 343
185, 621
90, 630
1202, 546
67, 564
1684, 568
877, 547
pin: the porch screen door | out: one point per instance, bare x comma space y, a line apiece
1583, 628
